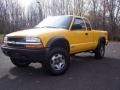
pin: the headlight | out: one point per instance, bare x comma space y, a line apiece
32, 40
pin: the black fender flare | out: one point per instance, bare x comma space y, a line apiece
56, 39
102, 39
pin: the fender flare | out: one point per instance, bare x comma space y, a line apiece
56, 39
102, 39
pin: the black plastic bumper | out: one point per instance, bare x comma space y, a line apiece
31, 54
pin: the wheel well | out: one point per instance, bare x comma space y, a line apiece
59, 42
102, 39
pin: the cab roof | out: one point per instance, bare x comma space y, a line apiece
73, 16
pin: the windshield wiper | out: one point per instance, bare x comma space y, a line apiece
49, 27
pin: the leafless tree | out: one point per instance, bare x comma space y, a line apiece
103, 14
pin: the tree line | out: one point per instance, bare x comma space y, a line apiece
103, 14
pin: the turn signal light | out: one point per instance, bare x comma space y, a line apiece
34, 46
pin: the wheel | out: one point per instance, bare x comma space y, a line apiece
100, 51
20, 62
58, 61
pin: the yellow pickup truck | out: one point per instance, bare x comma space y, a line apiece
52, 42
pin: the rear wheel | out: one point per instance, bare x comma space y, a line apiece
58, 61
20, 62
100, 51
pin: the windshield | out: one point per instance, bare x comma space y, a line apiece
56, 22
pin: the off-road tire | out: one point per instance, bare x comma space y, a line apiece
47, 65
100, 50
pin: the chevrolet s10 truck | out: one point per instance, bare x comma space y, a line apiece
52, 42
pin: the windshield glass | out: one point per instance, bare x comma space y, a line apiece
56, 22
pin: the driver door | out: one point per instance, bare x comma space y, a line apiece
80, 35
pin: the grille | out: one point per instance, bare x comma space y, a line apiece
15, 39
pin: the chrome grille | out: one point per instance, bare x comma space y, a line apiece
15, 39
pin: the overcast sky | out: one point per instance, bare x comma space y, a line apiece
25, 3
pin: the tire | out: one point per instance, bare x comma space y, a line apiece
20, 62
100, 51
58, 61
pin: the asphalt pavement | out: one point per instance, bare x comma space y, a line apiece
85, 73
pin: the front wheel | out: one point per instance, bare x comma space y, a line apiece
20, 62
58, 61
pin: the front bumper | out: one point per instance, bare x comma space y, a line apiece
34, 55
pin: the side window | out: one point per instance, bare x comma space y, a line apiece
78, 24
88, 24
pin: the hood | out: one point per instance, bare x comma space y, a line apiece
34, 32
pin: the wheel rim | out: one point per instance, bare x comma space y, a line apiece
102, 50
57, 62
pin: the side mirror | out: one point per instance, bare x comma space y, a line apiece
89, 29
76, 26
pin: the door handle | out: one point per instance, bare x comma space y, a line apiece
86, 33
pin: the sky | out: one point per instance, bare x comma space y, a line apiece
25, 3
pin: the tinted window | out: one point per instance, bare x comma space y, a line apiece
88, 25
78, 24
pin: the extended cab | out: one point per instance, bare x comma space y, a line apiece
53, 41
